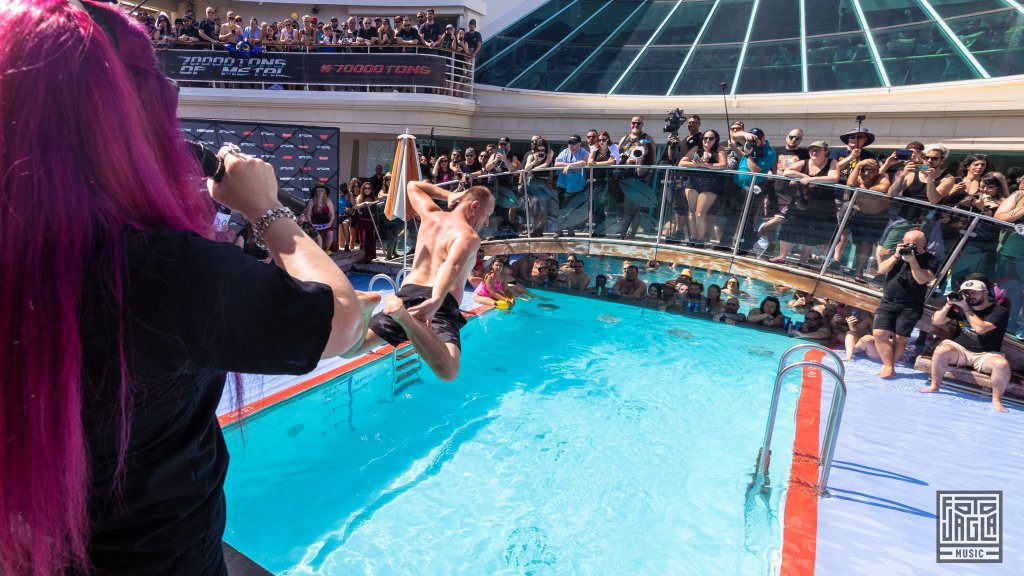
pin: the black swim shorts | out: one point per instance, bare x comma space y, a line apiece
447, 322
899, 319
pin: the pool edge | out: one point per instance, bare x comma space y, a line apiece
800, 525
233, 416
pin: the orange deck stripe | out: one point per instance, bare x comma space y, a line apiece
800, 529
281, 395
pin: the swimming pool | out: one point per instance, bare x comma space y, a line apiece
593, 437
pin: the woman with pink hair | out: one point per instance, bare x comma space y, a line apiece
120, 317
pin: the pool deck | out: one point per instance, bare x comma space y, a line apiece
896, 448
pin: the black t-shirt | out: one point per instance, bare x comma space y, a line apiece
992, 341
194, 310
430, 32
473, 39
840, 154
900, 286
190, 31
468, 168
209, 27
693, 141
408, 34
376, 182
368, 34
786, 158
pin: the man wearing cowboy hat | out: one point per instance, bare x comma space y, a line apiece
856, 141
980, 326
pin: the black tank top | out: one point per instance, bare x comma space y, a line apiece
917, 190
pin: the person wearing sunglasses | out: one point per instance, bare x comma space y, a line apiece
923, 179
813, 327
704, 188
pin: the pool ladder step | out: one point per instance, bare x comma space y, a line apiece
406, 365
835, 414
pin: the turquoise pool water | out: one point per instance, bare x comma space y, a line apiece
581, 437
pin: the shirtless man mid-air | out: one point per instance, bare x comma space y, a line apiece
425, 310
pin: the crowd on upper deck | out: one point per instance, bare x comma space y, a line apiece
310, 32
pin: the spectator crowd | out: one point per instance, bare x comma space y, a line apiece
310, 32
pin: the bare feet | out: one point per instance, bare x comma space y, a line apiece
886, 372
848, 357
929, 389
998, 405
394, 307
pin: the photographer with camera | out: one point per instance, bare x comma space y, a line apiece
980, 326
636, 152
674, 152
908, 270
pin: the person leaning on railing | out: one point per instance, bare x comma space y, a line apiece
1010, 254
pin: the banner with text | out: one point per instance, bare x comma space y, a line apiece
300, 155
366, 69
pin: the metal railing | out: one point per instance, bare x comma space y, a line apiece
646, 211
835, 414
334, 67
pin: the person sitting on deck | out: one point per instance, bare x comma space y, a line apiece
630, 286
981, 324
425, 310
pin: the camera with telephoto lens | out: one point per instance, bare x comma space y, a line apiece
904, 250
955, 295
673, 121
637, 153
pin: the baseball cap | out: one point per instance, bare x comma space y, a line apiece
976, 285
313, 20
575, 139
686, 272
818, 144
757, 132
449, 26
504, 140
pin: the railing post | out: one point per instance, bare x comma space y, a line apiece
661, 214
839, 234
743, 215
953, 256
590, 216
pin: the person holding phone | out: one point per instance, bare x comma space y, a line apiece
923, 179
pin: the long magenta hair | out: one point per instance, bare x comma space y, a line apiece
89, 149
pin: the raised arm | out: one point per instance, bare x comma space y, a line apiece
422, 194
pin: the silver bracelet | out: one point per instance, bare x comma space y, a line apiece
263, 223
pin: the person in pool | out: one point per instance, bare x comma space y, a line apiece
769, 313
731, 313
576, 278
713, 301
814, 327
732, 288
493, 289
600, 287
692, 300
630, 286
659, 296
425, 310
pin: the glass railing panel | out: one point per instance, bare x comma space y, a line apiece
1009, 274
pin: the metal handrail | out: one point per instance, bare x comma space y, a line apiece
812, 346
401, 276
835, 415
386, 278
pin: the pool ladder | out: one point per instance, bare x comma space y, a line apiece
405, 362
835, 414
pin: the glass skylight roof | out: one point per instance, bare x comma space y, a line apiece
689, 47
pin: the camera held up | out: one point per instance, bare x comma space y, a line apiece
673, 122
